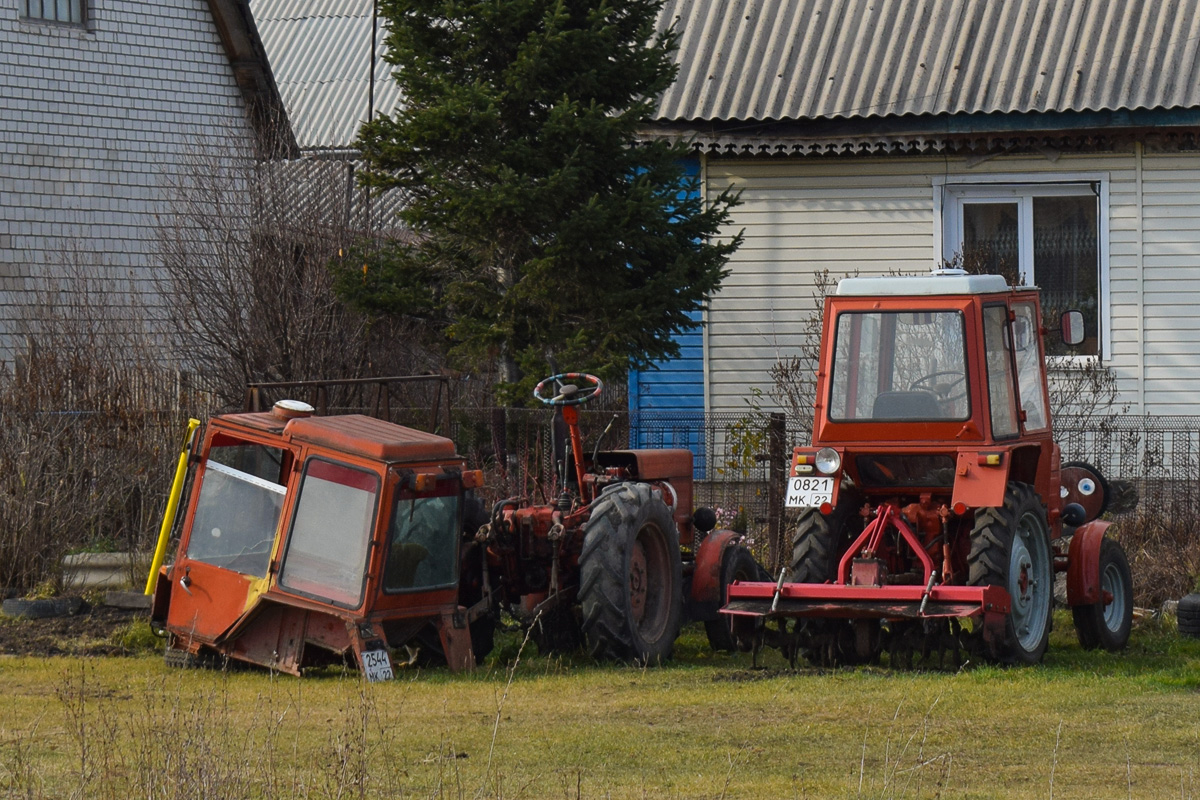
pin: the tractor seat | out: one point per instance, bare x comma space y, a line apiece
917, 404
402, 563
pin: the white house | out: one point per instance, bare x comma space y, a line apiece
1056, 139
101, 101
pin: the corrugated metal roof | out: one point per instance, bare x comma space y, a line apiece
811, 59
320, 52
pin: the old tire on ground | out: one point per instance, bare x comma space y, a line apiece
1108, 625
738, 564
180, 658
205, 659
631, 576
42, 608
1010, 548
1189, 615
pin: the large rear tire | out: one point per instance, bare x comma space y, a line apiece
1010, 548
1103, 624
631, 577
737, 565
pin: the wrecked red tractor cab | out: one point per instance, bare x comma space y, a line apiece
312, 540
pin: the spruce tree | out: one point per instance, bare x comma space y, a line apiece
544, 233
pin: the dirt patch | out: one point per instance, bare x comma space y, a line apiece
94, 631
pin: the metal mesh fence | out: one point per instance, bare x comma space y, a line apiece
740, 460
1158, 456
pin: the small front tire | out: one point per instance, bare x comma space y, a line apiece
737, 565
1103, 624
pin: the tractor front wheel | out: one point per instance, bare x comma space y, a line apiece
737, 565
631, 579
817, 548
1108, 624
1010, 547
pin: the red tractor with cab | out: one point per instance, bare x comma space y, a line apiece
934, 508
310, 540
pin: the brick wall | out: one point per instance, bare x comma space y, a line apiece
92, 121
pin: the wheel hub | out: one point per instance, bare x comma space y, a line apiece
638, 582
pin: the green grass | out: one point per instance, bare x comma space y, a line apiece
1081, 725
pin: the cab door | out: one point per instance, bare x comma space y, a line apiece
229, 536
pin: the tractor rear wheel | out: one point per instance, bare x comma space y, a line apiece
1103, 624
737, 565
631, 577
1010, 548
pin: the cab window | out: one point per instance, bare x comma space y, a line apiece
899, 366
422, 543
1028, 355
327, 550
238, 508
996, 340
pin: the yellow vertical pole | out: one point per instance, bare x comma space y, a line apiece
164, 533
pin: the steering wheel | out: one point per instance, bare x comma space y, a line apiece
944, 391
568, 393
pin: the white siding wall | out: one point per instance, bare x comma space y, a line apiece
877, 216
1171, 264
92, 119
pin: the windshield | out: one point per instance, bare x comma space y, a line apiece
423, 544
237, 512
899, 366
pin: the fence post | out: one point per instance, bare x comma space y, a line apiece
500, 445
776, 433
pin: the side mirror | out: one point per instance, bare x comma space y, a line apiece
1072, 328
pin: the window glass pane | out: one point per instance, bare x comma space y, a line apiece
56, 10
1066, 265
237, 515
258, 460
999, 367
423, 549
1029, 363
327, 551
899, 365
991, 240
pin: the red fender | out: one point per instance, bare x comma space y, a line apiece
1083, 564
706, 580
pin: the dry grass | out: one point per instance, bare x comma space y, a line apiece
1082, 725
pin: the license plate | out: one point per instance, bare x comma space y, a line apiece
808, 492
377, 666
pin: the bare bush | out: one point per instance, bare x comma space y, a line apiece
1163, 550
794, 377
88, 422
246, 245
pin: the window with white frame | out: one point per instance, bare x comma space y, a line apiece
70, 11
1045, 234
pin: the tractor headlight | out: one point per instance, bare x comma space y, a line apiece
828, 460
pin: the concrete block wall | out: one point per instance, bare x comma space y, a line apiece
93, 121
